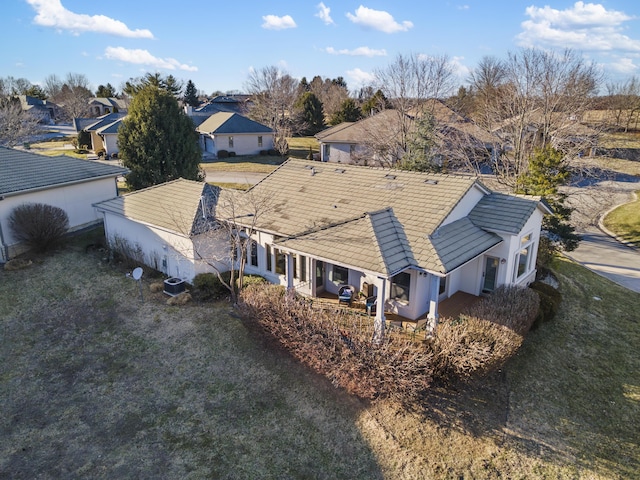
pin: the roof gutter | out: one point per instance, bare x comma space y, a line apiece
60, 185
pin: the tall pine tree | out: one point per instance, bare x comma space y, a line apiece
191, 94
547, 171
157, 141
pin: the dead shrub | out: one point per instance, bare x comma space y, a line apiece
130, 255
485, 336
38, 225
156, 287
469, 345
180, 299
514, 307
17, 264
338, 344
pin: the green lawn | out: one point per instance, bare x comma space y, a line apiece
96, 384
624, 221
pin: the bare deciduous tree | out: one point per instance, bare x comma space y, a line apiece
71, 94
533, 99
16, 125
273, 95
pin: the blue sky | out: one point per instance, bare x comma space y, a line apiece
217, 43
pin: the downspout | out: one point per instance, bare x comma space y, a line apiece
3, 247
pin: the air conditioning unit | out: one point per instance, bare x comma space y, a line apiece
174, 286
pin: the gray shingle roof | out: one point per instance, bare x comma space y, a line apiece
387, 249
231, 123
175, 206
461, 241
22, 171
499, 212
308, 196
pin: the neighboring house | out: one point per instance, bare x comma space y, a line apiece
169, 224
64, 182
46, 111
99, 106
375, 140
566, 132
103, 131
234, 133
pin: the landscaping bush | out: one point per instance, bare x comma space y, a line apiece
337, 343
101, 152
550, 299
263, 152
207, 286
223, 153
38, 225
128, 254
232, 154
486, 335
272, 152
82, 141
514, 307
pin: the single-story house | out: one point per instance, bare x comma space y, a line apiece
375, 140
103, 131
409, 239
234, 133
171, 226
99, 106
65, 182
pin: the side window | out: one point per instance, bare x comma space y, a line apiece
400, 285
230, 142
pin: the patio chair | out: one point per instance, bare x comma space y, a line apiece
370, 304
345, 294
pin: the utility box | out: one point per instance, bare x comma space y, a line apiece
174, 286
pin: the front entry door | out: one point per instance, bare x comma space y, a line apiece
490, 274
319, 277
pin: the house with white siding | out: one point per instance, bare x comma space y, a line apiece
234, 133
410, 239
71, 184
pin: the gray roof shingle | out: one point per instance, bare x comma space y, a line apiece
22, 171
232, 123
175, 206
499, 212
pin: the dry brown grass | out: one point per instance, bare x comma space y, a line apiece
95, 384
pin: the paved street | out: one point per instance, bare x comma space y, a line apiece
609, 258
235, 177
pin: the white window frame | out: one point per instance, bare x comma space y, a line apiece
527, 242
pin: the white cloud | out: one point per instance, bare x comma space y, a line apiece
273, 22
584, 26
359, 77
459, 69
143, 57
378, 20
463, 7
358, 52
324, 14
51, 13
625, 66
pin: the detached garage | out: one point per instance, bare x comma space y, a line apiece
71, 184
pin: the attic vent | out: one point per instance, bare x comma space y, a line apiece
339, 170
390, 176
308, 167
430, 181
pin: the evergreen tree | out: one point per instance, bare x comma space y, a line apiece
376, 103
547, 171
157, 140
170, 83
422, 147
106, 91
311, 113
191, 94
348, 112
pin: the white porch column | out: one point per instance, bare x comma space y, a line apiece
434, 292
380, 320
289, 270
